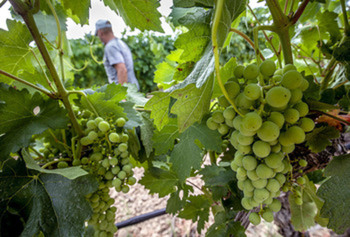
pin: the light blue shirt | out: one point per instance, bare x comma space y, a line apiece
116, 51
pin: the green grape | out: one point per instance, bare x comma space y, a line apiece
306, 124
218, 117
238, 71
251, 72
249, 163
274, 160
278, 96
292, 79
261, 194
127, 168
125, 161
268, 131
109, 175
105, 163
296, 96
223, 129
253, 202
304, 85
252, 121
237, 121
246, 203
287, 167
279, 72
269, 200
229, 113
240, 184
244, 149
247, 185
232, 89
122, 174
302, 163
125, 137
229, 123
277, 118
91, 124
95, 198
252, 175
241, 173
296, 133
252, 91
113, 161
276, 148
273, 185
115, 170
285, 140
223, 101
114, 137
98, 120
264, 172
302, 108
288, 67
85, 141
103, 126
125, 189
124, 154
267, 215
116, 182
233, 139
254, 218
244, 140
234, 166
301, 180
76, 162
62, 164
274, 142
84, 160
97, 156
92, 135
291, 115
298, 201
246, 132
260, 183
131, 180
261, 149
242, 102
238, 159
267, 68
123, 147
288, 149
280, 178
120, 122
275, 206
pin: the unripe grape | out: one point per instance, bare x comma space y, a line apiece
62, 164
127, 168
114, 137
273, 185
254, 218
218, 117
302, 108
125, 161
113, 161
229, 123
288, 149
307, 124
223, 129
247, 185
274, 160
261, 149
229, 113
125, 189
267, 68
261, 195
115, 170
232, 89
92, 135
303, 163
252, 121
238, 159
249, 163
268, 131
101, 171
260, 183
277, 118
298, 201
120, 122
301, 180
292, 79
234, 166
241, 173
223, 101
85, 141
246, 203
97, 156
91, 124
276, 148
278, 96
122, 174
252, 175
269, 200
103, 126
252, 91
264, 172
288, 67
242, 102
123, 147
238, 71
125, 137
267, 215
275, 206
131, 180
285, 140
246, 132
76, 162
304, 85
244, 140
84, 160
296, 96
237, 121
296, 133
98, 120
244, 149
279, 72
109, 175
105, 163
291, 115
116, 182
240, 184
251, 72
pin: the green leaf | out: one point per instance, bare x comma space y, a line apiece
226, 72
224, 226
164, 140
159, 106
78, 8
336, 194
134, 118
115, 92
327, 21
134, 96
186, 154
217, 176
175, 203
320, 137
302, 216
313, 91
141, 14
69, 173
15, 51
192, 104
196, 209
147, 133
52, 204
159, 181
165, 73
19, 121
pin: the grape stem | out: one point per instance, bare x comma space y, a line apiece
87, 100
55, 161
212, 157
216, 21
58, 141
2, 3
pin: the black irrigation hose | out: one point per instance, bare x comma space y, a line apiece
140, 218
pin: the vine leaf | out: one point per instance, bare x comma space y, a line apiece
336, 194
192, 104
164, 140
196, 209
159, 181
159, 106
302, 216
141, 14
134, 118
224, 226
23, 115
15, 50
54, 205
320, 137
186, 154
147, 133
327, 21
78, 8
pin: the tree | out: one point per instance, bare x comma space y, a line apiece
267, 129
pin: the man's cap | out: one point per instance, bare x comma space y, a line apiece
100, 24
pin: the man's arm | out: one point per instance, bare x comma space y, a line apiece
122, 73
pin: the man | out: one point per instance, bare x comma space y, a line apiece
117, 56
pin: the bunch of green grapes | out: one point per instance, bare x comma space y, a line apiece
270, 120
107, 157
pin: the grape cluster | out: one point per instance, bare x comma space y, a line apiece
107, 157
269, 121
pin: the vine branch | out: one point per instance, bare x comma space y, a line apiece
300, 11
